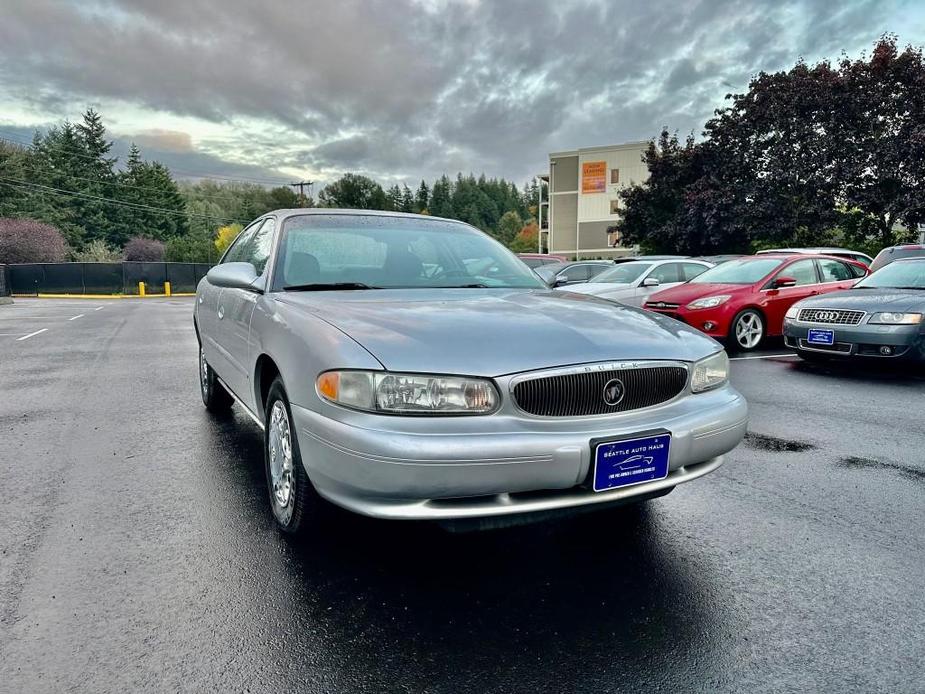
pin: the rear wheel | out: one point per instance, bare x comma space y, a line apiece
295, 505
214, 396
747, 330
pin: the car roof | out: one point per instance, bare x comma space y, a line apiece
299, 211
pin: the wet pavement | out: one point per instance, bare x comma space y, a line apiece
137, 551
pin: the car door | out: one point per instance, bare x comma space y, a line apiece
778, 299
668, 276
211, 312
238, 308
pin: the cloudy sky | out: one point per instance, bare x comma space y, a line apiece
404, 89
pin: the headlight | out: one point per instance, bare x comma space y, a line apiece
896, 319
709, 301
792, 312
397, 393
710, 373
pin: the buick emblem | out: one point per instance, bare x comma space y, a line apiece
614, 390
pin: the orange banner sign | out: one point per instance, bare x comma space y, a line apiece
594, 177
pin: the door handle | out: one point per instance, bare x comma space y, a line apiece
221, 312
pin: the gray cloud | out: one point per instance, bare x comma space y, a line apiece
413, 88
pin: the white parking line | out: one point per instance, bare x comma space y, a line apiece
79, 315
99, 308
26, 337
763, 356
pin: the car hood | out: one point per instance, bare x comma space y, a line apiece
685, 293
498, 331
898, 300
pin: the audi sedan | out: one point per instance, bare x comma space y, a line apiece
880, 317
743, 301
412, 367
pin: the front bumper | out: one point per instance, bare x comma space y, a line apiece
714, 322
472, 467
864, 340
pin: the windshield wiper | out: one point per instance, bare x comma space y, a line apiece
919, 288
322, 286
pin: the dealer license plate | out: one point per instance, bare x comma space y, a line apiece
630, 461
820, 337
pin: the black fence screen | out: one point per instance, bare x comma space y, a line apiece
102, 278
5, 289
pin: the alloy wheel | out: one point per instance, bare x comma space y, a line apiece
749, 330
282, 477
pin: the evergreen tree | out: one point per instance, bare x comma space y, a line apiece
395, 198
97, 176
407, 199
422, 198
441, 204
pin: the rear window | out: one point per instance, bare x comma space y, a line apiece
888, 255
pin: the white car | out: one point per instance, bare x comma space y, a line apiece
631, 283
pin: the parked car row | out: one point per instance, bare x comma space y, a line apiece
798, 293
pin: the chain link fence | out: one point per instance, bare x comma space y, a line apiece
103, 278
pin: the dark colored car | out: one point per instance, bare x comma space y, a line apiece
888, 255
561, 274
743, 301
535, 260
881, 316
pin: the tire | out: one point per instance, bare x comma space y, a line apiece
747, 330
294, 503
214, 396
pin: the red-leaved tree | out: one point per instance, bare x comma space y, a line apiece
144, 250
28, 241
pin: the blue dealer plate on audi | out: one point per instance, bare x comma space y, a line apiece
820, 337
630, 461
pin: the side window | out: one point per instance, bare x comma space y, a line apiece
691, 270
595, 270
857, 271
834, 271
258, 247
576, 273
666, 273
803, 271
236, 250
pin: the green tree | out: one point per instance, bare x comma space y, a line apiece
355, 192
97, 251
441, 204
394, 198
422, 198
509, 227
407, 199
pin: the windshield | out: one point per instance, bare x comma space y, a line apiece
370, 251
624, 273
908, 274
745, 271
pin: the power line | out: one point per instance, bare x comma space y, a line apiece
301, 186
13, 183
232, 179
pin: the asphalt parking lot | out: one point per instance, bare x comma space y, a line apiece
137, 551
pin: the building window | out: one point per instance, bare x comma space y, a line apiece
615, 206
614, 176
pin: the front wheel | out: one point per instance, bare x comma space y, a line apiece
747, 330
295, 504
214, 396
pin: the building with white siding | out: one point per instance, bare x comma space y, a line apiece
583, 199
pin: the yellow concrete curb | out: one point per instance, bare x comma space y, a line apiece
100, 296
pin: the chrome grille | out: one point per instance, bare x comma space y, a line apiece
832, 316
581, 393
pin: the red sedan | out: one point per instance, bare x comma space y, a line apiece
745, 300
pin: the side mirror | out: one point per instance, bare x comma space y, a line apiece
650, 282
559, 281
233, 276
784, 282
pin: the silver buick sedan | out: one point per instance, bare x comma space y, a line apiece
411, 367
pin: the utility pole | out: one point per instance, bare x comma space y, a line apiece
301, 186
